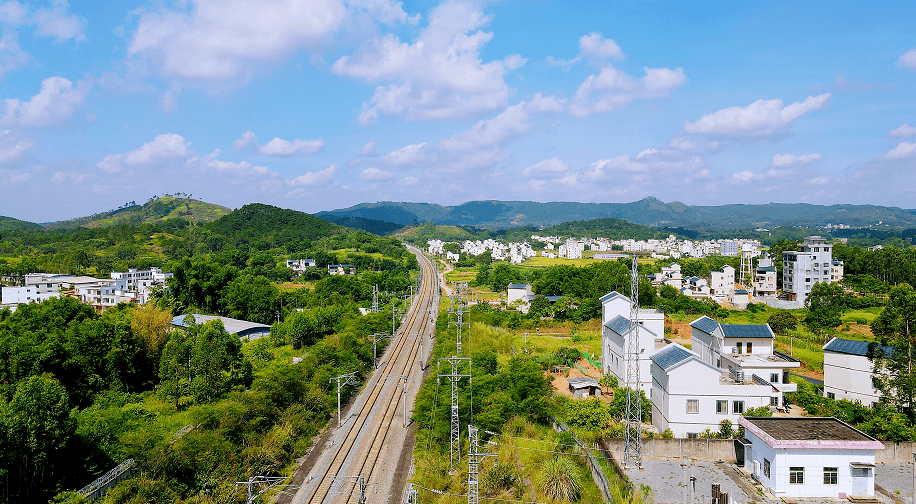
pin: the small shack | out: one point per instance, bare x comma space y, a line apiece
584, 387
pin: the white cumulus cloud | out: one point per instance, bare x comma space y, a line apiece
594, 44
13, 177
759, 119
57, 23
612, 89
905, 130
548, 167
782, 160
405, 156
12, 146
57, 100
279, 146
218, 42
373, 173
908, 60
164, 148
369, 149
440, 75
901, 151
314, 179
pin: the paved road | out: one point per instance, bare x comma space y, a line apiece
372, 444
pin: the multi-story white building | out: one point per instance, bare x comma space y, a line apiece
848, 374
744, 349
301, 265
836, 271
617, 331
765, 278
37, 288
690, 395
722, 282
803, 268
728, 248
810, 457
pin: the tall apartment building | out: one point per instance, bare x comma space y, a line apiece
808, 265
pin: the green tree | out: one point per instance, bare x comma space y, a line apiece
896, 327
539, 307
618, 405
251, 298
589, 414
825, 305
782, 321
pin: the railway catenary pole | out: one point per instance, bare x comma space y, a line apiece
343, 380
454, 437
375, 298
633, 413
375, 338
474, 459
402, 383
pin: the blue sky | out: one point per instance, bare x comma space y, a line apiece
328, 103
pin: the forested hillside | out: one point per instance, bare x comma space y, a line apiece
156, 210
195, 408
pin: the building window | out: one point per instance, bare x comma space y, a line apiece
830, 475
774, 401
693, 435
831, 395
766, 468
722, 407
749, 347
739, 345
774, 377
796, 475
738, 407
693, 405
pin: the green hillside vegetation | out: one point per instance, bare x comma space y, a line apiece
197, 409
11, 224
371, 225
156, 210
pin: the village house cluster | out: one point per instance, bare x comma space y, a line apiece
131, 286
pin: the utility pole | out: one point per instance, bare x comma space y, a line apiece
257, 485
633, 413
401, 382
343, 380
412, 497
454, 438
375, 337
474, 459
375, 298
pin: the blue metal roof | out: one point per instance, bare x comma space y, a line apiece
705, 324
852, 347
766, 268
518, 286
619, 325
747, 331
671, 355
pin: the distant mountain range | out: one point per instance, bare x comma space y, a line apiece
648, 212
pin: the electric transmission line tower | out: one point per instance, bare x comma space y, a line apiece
458, 309
475, 457
454, 377
633, 443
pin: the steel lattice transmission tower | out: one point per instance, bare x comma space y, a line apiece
375, 299
632, 454
474, 459
454, 437
458, 309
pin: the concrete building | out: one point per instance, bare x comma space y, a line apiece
805, 267
836, 271
301, 265
689, 395
745, 349
765, 278
848, 374
518, 293
810, 457
722, 282
341, 269
617, 331
728, 248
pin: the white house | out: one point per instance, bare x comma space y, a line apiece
747, 349
690, 396
300, 265
765, 278
848, 374
518, 294
722, 282
810, 457
616, 332
341, 269
803, 268
695, 287
670, 275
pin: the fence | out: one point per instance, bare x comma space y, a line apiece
597, 473
104, 483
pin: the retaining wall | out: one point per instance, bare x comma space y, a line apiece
706, 450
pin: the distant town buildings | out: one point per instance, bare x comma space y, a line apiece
131, 286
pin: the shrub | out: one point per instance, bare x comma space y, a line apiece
560, 479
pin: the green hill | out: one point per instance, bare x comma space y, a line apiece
11, 224
153, 211
274, 226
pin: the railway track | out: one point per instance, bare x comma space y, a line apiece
369, 443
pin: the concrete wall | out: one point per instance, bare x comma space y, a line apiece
849, 377
704, 450
895, 453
